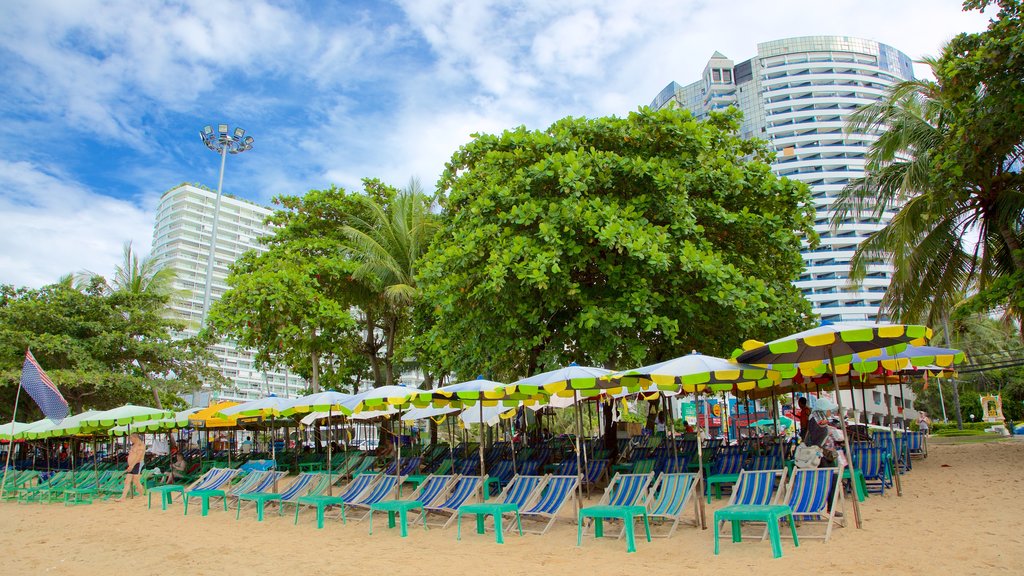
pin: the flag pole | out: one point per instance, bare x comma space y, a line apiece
10, 443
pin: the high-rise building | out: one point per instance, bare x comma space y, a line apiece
181, 241
797, 94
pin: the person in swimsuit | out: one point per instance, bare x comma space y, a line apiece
136, 455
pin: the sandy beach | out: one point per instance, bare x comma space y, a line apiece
960, 514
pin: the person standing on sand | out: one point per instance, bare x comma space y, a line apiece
136, 455
803, 416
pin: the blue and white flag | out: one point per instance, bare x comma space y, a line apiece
39, 386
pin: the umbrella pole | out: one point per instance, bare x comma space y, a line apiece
775, 417
329, 467
580, 468
671, 430
846, 442
892, 438
480, 403
863, 399
701, 512
512, 441
71, 448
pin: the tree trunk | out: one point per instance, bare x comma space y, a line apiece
1012, 244
314, 385
370, 348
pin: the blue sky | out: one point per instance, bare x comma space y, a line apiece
102, 101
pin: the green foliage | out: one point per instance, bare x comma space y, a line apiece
101, 346
949, 162
611, 241
331, 296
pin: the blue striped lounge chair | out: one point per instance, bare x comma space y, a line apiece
503, 471
625, 490
383, 489
265, 483
432, 488
219, 480
763, 462
548, 502
724, 470
307, 484
353, 491
596, 471
519, 491
668, 498
757, 488
408, 466
807, 494
530, 468
465, 490
873, 466
917, 445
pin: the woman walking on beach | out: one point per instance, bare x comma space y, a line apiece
135, 457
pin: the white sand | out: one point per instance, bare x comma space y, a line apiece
960, 514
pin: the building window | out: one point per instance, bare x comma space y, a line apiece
716, 75
877, 397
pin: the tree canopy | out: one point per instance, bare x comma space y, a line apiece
611, 241
101, 347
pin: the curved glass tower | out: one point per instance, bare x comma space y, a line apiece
797, 94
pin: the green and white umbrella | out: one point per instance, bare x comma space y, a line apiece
69, 426
13, 430
129, 414
180, 420
837, 344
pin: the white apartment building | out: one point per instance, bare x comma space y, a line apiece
797, 94
181, 240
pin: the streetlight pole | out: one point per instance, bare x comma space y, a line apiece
223, 142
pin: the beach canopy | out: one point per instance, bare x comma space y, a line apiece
211, 417
384, 399
124, 415
180, 420
270, 406
695, 373
837, 343
327, 401
14, 429
67, 427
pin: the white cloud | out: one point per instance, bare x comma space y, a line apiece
54, 226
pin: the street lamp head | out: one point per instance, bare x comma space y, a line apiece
239, 132
208, 130
224, 140
222, 128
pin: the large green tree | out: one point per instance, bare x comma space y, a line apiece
102, 348
948, 163
334, 290
611, 241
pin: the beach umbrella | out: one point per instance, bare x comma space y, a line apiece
479, 392
69, 426
565, 386
13, 430
126, 415
836, 343
385, 400
180, 420
329, 401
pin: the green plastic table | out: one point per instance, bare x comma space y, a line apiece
415, 480
860, 486
489, 509
716, 481
166, 492
402, 509
205, 496
625, 513
771, 515
321, 503
260, 498
622, 468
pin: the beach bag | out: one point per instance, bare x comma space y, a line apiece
807, 456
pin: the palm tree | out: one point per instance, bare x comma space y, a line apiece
387, 241
941, 208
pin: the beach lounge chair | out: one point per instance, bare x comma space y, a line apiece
300, 487
519, 491
668, 498
431, 489
756, 499
355, 490
763, 462
724, 470
383, 489
873, 465
409, 465
501, 472
213, 487
545, 508
42, 490
917, 444
465, 490
807, 494
625, 499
